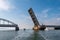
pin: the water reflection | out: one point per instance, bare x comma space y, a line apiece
20, 35
35, 36
8, 34
30, 35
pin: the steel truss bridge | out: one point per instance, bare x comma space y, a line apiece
7, 23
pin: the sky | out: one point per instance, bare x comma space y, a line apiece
46, 11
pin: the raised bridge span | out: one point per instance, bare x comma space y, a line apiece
37, 26
7, 23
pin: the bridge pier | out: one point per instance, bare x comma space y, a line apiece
36, 27
17, 28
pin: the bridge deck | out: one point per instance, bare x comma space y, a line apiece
4, 25
56, 26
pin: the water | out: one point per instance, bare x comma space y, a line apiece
29, 35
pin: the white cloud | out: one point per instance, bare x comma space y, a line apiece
58, 19
4, 5
44, 13
52, 21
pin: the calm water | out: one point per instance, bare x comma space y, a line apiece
30, 35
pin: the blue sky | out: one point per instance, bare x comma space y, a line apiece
46, 11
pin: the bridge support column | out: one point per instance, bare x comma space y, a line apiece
36, 28
17, 28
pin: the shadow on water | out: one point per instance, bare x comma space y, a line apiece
35, 36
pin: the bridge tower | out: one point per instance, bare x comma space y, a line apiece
37, 26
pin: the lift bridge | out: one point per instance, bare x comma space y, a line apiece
7, 23
37, 26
